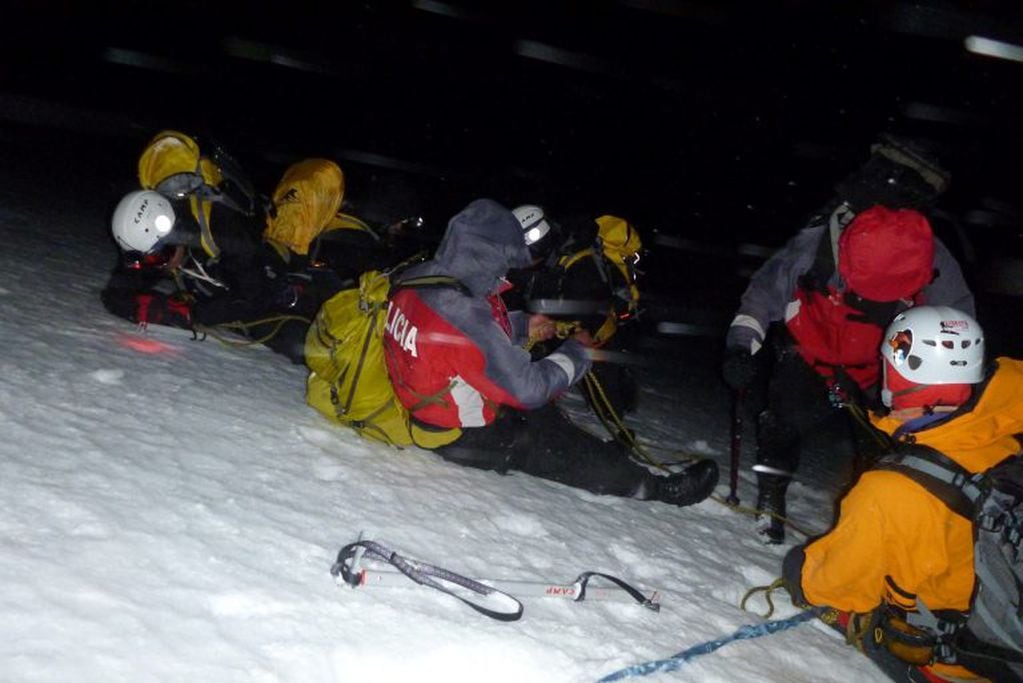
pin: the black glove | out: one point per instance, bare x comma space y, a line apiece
792, 575
739, 369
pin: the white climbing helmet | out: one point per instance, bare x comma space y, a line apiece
933, 345
141, 220
533, 221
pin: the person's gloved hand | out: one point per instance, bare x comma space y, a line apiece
541, 328
739, 369
791, 575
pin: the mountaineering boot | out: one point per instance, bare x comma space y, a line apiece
690, 486
771, 507
777, 458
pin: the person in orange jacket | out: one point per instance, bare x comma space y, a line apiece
896, 548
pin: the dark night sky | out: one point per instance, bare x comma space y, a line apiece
719, 122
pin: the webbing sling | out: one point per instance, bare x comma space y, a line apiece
504, 606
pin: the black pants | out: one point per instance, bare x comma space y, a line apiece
546, 444
794, 407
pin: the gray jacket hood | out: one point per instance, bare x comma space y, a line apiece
482, 242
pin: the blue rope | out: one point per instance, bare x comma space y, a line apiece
677, 660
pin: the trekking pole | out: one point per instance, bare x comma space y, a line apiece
733, 474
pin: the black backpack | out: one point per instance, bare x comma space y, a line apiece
988, 639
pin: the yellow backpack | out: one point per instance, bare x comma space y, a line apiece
619, 243
348, 382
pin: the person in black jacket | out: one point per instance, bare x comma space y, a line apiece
576, 278
200, 247
171, 280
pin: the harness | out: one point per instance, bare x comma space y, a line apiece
938, 635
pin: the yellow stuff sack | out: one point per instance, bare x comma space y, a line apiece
618, 237
305, 202
344, 350
171, 153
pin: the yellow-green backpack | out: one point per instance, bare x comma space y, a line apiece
348, 382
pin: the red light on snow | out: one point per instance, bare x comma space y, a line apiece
148, 346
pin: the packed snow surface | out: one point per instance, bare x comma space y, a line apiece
172, 509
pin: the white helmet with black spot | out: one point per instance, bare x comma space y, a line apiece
142, 221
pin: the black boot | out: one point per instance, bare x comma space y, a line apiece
691, 486
777, 458
771, 507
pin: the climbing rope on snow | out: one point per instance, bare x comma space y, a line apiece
767, 590
243, 327
747, 510
746, 632
615, 426
605, 411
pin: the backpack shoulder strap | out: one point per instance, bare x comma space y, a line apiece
432, 282
570, 260
825, 261
824, 264
944, 478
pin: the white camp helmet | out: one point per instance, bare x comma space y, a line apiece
533, 221
934, 345
142, 218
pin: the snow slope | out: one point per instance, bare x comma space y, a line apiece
171, 509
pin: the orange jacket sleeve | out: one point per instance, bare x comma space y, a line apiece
843, 569
893, 541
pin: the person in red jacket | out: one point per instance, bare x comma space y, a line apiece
833, 295
457, 361
896, 547
805, 335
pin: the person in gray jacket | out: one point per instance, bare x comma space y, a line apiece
820, 305
457, 361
